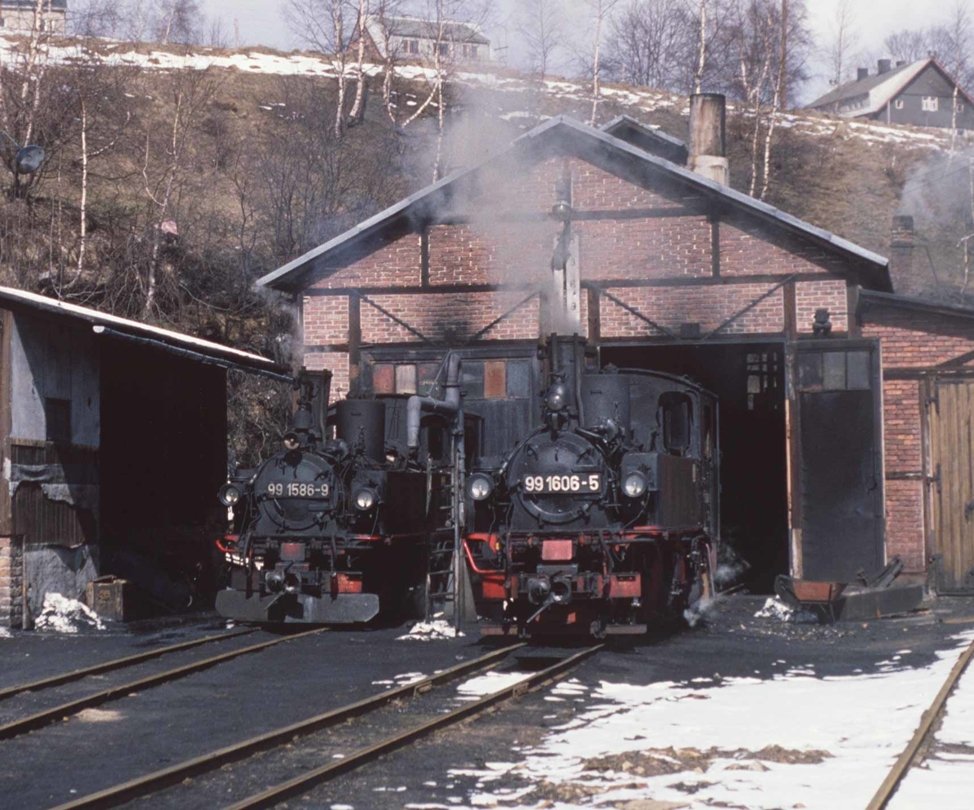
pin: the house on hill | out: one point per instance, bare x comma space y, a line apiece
415, 38
17, 16
921, 93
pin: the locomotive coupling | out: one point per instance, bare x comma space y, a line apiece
549, 590
539, 588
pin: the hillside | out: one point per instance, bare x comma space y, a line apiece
195, 171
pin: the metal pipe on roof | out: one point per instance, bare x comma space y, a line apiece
199, 357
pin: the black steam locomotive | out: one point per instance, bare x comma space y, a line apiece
338, 530
604, 518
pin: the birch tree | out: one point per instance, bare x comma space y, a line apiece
541, 24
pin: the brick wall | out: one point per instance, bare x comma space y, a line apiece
911, 340
11, 582
709, 306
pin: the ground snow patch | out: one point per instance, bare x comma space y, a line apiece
63, 615
431, 631
746, 742
5, 633
774, 608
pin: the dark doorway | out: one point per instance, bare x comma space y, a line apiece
748, 380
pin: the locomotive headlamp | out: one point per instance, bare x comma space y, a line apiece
480, 487
634, 485
364, 499
557, 397
229, 494
291, 441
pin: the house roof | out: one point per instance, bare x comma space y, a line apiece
56, 5
599, 147
879, 88
165, 339
651, 139
452, 31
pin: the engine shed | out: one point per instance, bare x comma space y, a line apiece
825, 465
113, 435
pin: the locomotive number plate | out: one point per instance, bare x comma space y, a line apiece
297, 489
573, 482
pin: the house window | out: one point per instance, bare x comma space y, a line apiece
412, 46
899, 104
443, 48
930, 104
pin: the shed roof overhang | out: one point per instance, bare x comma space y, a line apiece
113, 326
872, 299
563, 135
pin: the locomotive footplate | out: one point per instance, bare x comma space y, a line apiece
342, 608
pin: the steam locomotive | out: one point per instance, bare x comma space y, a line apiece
604, 518
342, 530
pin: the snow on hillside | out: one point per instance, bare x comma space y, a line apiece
275, 63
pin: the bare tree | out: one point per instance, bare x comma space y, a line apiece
843, 40
165, 167
652, 43
179, 21
330, 27
541, 24
600, 11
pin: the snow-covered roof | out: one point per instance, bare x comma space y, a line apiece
639, 164
165, 339
877, 90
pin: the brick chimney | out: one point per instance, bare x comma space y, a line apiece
707, 142
901, 243
883, 66
862, 73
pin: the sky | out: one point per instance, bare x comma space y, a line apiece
260, 22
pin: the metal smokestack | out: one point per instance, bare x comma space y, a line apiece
707, 141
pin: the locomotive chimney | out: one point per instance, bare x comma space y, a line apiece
707, 142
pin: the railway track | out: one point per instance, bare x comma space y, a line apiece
115, 664
922, 734
61, 711
353, 753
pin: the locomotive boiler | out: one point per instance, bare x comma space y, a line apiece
341, 530
603, 519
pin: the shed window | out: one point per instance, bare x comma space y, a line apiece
676, 416
57, 417
763, 375
930, 104
834, 371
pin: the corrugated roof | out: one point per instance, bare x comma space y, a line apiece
289, 276
650, 138
164, 338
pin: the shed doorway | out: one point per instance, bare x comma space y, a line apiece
748, 379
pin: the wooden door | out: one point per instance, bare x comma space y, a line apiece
840, 492
949, 415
